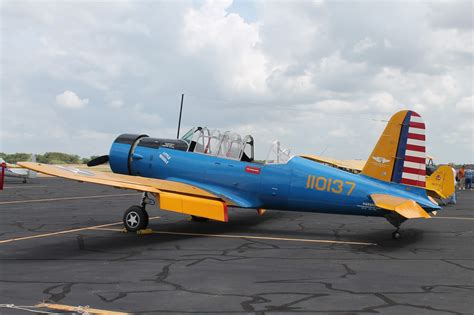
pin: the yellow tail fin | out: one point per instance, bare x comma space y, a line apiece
441, 182
399, 155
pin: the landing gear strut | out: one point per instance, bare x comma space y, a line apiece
135, 218
396, 220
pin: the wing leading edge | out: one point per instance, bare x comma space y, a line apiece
173, 196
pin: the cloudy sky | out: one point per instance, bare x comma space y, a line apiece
320, 76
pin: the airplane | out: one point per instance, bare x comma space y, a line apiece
204, 172
14, 170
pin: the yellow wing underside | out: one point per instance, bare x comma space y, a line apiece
173, 196
405, 207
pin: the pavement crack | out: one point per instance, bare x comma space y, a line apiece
58, 296
349, 271
80, 242
457, 264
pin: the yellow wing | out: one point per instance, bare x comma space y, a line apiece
8, 165
355, 165
405, 207
173, 196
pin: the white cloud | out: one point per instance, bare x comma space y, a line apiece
230, 43
384, 102
363, 45
339, 106
296, 68
116, 104
69, 99
466, 105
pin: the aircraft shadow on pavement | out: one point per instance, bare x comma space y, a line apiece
102, 241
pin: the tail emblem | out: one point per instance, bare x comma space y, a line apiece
380, 159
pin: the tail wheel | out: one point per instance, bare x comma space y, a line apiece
135, 219
396, 235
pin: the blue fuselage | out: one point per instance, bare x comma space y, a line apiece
299, 185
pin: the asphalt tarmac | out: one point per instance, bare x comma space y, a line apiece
60, 243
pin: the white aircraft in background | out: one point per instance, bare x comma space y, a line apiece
13, 170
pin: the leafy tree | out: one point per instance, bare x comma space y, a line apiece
58, 158
16, 157
86, 160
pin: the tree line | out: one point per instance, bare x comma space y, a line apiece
47, 158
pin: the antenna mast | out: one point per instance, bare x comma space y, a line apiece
180, 113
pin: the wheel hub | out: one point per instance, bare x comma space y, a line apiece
133, 219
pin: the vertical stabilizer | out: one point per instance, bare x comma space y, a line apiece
399, 155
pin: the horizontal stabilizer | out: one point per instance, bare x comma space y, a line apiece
407, 208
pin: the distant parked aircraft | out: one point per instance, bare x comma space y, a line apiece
13, 170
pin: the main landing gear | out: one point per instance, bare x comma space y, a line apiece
396, 220
136, 218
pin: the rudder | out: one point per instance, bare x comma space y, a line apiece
400, 153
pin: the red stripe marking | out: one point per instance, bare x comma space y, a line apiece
252, 170
226, 214
415, 114
412, 182
2, 177
414, 171
415, 159
418, 148
417, 125
416, 136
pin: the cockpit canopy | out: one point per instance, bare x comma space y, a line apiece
231, 145
222, 144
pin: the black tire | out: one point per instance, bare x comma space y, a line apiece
135, 219
396, 235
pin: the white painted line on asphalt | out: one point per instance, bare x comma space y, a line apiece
62, 232
65, 198
453, 218
253, 237
24, 186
